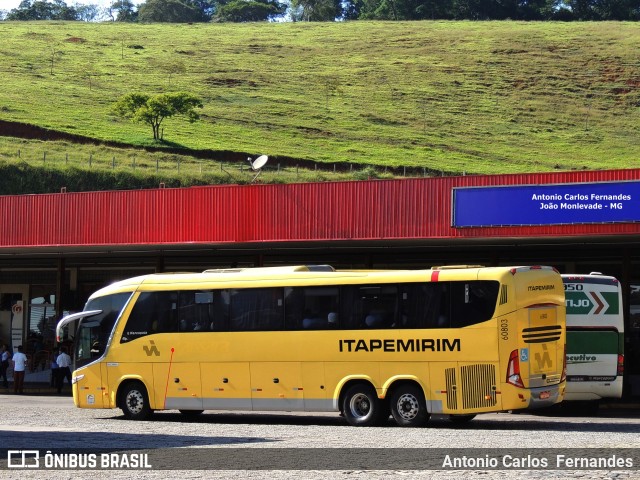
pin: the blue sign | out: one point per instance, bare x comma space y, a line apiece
563, 204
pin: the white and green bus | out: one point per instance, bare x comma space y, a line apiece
595, 337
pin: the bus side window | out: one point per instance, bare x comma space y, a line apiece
219, 311
152, 313
311, 308
293, 307
423, 305
351, 314
473, 302
194, 310
379, 305
141, 318
256, 309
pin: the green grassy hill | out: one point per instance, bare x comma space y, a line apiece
454, 97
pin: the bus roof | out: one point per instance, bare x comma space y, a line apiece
307, 274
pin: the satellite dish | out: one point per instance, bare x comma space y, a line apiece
257, 164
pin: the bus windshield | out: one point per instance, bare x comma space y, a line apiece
94, 332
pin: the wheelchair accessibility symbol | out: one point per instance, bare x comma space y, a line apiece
524, 355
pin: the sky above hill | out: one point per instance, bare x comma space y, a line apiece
9, 4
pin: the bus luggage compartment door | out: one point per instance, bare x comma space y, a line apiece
276, 386
177, 386
226, 386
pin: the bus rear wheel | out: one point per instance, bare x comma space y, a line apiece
408, 406
360, 406
134, 401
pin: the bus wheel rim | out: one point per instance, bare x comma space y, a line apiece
408, 406
360, 405
135, 401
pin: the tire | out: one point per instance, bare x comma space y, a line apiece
461, 419
191, 413
408, 406
360, 406
135, 401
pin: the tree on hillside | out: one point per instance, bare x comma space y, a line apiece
207, 8
250, 10
316, 10
122, 11
42, 10
87, 13
152, 110
168, 11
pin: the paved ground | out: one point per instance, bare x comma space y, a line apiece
50, 422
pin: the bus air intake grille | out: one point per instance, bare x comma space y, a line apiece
503, 295
452, 393
551, 333
478, 386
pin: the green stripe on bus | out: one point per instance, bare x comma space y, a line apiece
592, 342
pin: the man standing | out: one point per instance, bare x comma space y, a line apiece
64, 362
19, 366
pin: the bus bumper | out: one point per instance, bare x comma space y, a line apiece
546, 396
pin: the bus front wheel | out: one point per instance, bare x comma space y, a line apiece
135, 401
408, 406
360, 406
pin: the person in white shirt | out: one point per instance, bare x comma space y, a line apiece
19, 366
64, 362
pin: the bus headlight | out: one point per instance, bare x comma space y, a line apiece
76, 379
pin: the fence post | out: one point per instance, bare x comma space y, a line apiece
44, 157
157, 166
66, 158
113, 162
18, 153
90, 159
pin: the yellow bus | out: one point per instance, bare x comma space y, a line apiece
369, 344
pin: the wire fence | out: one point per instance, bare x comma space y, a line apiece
180, 166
